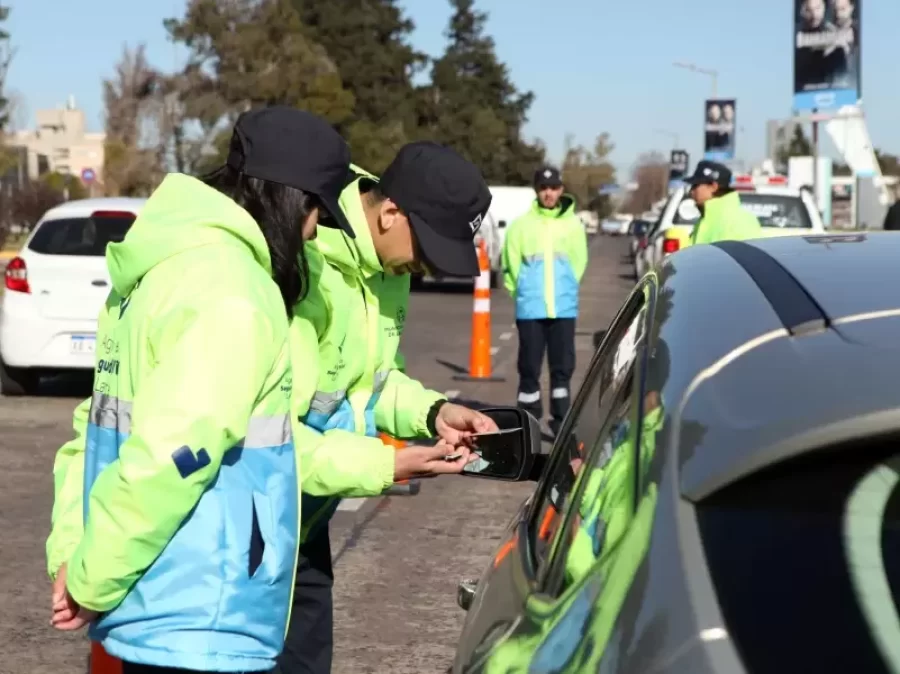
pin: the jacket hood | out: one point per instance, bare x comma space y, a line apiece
354, 257
182, 213
566, 207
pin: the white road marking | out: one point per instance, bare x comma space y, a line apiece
451, 394
505, 336
494, 350
351, 504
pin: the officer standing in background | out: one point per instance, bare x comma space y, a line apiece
723, 219
544, 257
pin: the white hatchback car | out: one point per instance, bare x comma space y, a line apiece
781, 210
55, 289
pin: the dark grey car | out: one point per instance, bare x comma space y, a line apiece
723, 496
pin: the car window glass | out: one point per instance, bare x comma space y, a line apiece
823, 530
79, 236
597, 403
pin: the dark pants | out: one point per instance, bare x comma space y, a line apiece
310, 639
557, 337
132, 668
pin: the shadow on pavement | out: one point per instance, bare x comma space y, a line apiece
453, 367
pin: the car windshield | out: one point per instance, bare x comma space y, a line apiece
773, 210
86, 236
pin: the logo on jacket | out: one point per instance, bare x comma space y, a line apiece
401, 317
188, 462
475, 225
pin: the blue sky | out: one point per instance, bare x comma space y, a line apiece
594, 65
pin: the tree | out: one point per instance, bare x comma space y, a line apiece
585, 171
6, 55
889, 163
130, 168
798, 146
242, 54
368, 40
651, 173
473, 106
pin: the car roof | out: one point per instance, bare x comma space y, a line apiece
779, 346
80, 208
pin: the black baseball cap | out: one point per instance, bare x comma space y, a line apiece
294, 148
708, 172
445, 198
547, 176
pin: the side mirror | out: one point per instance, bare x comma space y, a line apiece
510, 454
501, 224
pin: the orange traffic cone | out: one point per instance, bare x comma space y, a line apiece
480, 353
102, 662
404, 487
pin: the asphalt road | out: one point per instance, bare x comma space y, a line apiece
398, 559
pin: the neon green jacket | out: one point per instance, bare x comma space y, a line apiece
351, 323
724, 219
176, 505
544, 257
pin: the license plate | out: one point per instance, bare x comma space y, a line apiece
83, 344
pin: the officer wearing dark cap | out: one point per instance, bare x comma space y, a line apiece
421, 215
723, 217
544, 257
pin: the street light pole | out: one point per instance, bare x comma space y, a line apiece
709, 72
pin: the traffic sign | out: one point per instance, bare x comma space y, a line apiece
88, 175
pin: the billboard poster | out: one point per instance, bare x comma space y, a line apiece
826, 54
719, 129
678, 164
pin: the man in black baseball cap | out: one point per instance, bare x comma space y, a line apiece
294, 148
438, 201
545, 255
723, 216
422, 215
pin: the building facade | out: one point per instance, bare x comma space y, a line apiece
61, 143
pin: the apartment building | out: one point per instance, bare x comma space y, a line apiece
62, 138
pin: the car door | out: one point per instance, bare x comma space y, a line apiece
537, 578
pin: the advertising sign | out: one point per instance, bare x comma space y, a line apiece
678, 164
719, 129
826, 54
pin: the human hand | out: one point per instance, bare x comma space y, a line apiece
454, 423
424, 461
67, 614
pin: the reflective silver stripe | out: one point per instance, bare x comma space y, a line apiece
270, 431
109, 412
380, 381
540, 256
263, 431
529, 397
325, 402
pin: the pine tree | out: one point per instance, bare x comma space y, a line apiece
473, 106
368, 40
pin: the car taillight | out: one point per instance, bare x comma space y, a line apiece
671, 246
642, 242
17, 276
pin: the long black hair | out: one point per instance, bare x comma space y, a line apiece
279, 211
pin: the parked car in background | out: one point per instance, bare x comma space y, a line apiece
55, 289
782, 211
591, 222
695, 515
637, 230
616, 224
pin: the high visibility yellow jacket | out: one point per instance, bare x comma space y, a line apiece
544, 257
350, 324
176, 505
